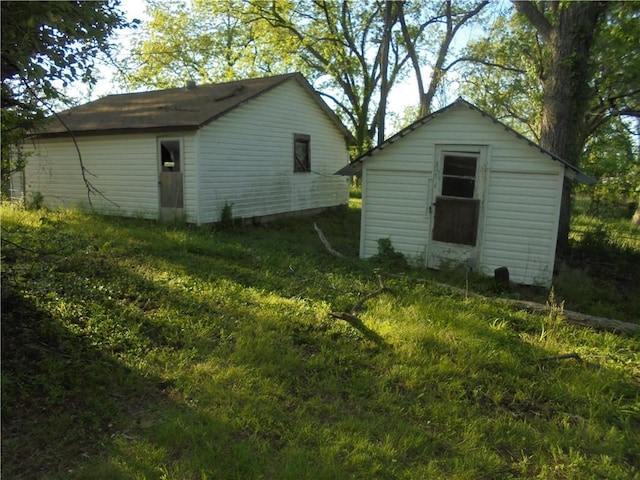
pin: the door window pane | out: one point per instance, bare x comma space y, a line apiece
170, 155
459, 176
458, 187
459, 166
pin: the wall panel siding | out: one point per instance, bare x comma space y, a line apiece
413, 152
521, 225
246, 158
123, 168
521, 196
394, 207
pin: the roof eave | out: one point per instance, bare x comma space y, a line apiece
353, 168
578, 176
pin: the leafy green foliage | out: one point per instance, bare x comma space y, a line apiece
613, 158
577, 77
505, 71
341, 47
133, 349
510, 65
203, 42
603, 276
227, 220
387, 256
46, 46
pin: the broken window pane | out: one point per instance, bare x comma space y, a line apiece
301, 153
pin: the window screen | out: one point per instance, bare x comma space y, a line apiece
459, 176
301, 153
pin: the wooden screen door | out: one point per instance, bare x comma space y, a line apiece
455, 207
170, 178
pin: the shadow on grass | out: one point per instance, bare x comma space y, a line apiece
273, 392
61, 396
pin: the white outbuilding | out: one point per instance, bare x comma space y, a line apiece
460, 187
256, 148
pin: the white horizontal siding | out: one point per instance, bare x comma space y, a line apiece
413, 152
521, 197
122, 168
394, 206
54, 172
521, 225
246, 158
461, 126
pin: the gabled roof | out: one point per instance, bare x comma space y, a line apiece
571, 171
176, 109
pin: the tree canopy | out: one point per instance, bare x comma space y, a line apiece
354, 53
45, 47
507, 68
568, 74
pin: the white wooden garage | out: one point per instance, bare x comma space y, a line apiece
265, 146
460, 187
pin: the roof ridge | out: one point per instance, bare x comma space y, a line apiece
356, 165
201, 85
174, 109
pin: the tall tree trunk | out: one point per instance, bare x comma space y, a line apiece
390, 17
565, 90
411, 49
452, 25
438, 68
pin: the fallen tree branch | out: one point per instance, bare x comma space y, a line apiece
356, 308
325, 242
347, 317
383, 288
575, 318
351, 317
580, 319
564, 356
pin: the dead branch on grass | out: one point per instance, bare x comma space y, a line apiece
356, 308
352, 318
382, 289
565, 356
575, 318
325, 242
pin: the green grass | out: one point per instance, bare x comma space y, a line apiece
137, 350
602, 276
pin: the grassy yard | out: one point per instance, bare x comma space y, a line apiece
133, 350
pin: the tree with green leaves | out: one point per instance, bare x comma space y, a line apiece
45, 47
562, 72
353, 52
203, 42
327, 41
453, 16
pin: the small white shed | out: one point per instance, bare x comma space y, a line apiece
460, 187
265, 146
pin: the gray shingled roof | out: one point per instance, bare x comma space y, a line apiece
176, 109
